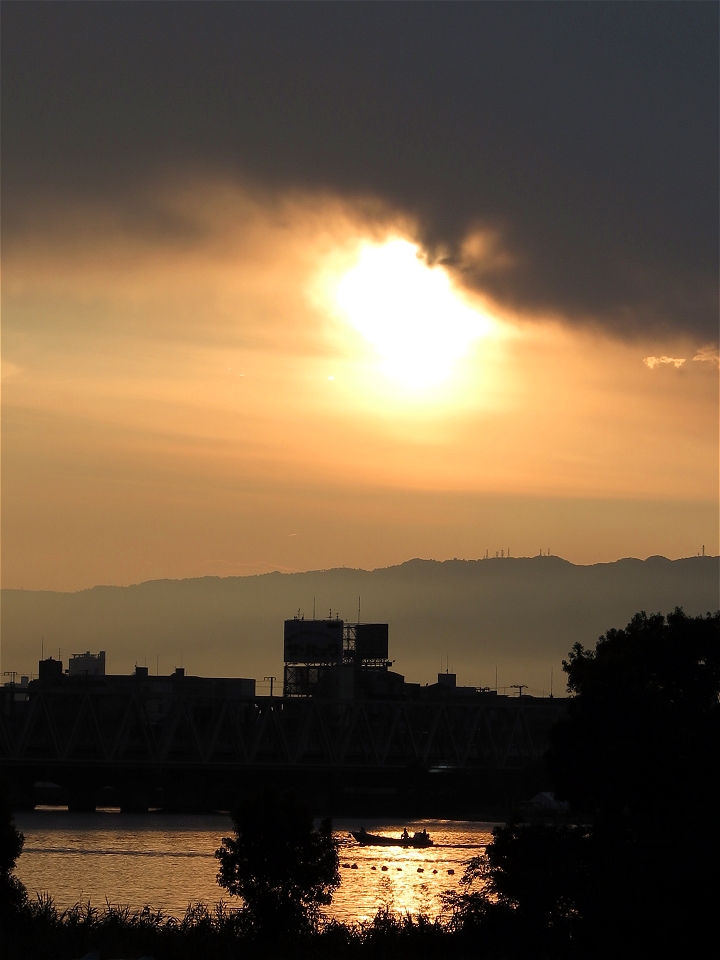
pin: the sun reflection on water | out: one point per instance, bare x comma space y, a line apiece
404, 880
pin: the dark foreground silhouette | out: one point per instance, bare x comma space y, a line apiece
631, 873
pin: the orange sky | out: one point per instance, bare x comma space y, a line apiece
190, 392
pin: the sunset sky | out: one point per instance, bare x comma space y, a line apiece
296, 286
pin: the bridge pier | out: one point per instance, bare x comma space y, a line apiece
134, 797
21, 795
81, 797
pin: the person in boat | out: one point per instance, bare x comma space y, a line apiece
405, 835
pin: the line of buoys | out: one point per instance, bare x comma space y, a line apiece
354, 866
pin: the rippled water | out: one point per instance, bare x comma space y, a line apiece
167, 861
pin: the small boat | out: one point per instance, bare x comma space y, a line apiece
418, 839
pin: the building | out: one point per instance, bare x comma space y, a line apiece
141, 681
87, 664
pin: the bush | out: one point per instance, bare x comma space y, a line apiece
282, 868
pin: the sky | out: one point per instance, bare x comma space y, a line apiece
293, 286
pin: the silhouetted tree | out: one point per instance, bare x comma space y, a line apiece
529, 893
639, 756
282, 868
641, 735
12, 892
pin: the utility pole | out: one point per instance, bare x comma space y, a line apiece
272, 681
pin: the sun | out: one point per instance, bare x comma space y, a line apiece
409, 313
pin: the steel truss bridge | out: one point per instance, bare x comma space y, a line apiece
211, 746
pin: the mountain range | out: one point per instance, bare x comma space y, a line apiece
514, 618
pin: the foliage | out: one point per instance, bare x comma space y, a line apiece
12, 892
637, 756
639, 753
42, 932
11, 840
282, 868
529, 892
641, 735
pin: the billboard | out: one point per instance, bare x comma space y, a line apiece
313, 641
371, 641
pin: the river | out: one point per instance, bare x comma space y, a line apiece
167, 861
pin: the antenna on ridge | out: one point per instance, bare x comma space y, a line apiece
358, 619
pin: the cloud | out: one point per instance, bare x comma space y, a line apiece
655, 361
533, 126
708, 354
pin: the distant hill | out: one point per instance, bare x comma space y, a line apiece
520, 615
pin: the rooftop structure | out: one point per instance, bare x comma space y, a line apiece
87, 664
334, 659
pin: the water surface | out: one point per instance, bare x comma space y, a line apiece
167, 861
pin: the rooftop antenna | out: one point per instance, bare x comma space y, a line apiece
313, 608
495, 679
551, 683
519, 687
42, 648
157, 665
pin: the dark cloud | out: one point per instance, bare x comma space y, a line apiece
584, 134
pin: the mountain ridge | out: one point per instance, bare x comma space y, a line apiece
520, 615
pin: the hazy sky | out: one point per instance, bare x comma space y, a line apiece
293, 286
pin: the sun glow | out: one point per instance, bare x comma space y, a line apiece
409, 313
